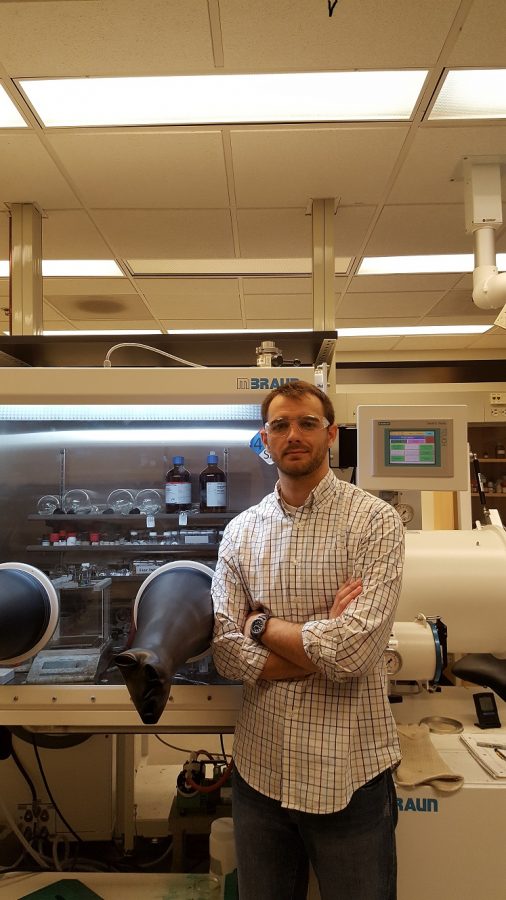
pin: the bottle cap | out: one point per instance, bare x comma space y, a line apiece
178, 460
212, 457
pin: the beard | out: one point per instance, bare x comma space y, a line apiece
308, 463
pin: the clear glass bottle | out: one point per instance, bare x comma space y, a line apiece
213, 486
178, 489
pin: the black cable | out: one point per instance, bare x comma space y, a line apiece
24, 773
48, 789
222, 744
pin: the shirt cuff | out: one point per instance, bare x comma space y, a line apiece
312, 633
254, 657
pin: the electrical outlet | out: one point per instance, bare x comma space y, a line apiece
497, 412
497, 399
35, 819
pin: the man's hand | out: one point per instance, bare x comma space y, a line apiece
345, 595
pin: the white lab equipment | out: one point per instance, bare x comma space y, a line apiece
412, 448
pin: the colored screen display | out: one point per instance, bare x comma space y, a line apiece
416, 447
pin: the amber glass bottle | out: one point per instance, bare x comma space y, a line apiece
213, 486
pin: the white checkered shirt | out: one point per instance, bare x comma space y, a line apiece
311, 742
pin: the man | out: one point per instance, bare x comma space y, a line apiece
305, 592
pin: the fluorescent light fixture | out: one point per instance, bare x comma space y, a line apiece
235, 267
81, 268
73, 268
436, 263
119, 331
412, 331
10, 117
131, 412
265, 330
221, 99
471, 94
175, 437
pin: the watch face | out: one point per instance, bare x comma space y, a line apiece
258, 626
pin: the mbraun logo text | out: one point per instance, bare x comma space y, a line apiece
262, 384
418, 804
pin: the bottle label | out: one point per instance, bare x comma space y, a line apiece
178, 492
216, 493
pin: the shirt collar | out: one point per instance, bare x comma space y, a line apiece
319, 496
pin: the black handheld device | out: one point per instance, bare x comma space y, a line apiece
486, 710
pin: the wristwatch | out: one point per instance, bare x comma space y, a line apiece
257, 626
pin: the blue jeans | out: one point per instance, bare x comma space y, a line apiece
352, 851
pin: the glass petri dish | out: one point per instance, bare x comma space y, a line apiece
121, 501
148, 501
47, 504
77, 501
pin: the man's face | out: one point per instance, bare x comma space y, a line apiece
298, 453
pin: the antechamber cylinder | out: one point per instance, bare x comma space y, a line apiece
459, 576
29, 612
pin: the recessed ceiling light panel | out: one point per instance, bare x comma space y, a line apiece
471, 94
412, 331
235, 267
225, 99
423, 264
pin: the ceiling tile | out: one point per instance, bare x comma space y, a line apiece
386, 305
289, 166
439, 343
496, 341
375, 322
276, 306
292, 33
194, 306
51, 317
269, 328
29, 175
365, 284
275, 233
167, 233
71, 234
88, 286
280, 233
203, 324
457, 304
113, 37
277, 286
483, 318
97, 307
419, 229
357, 345
145, 169
432, 172
482, 36
186, 289
112, 325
